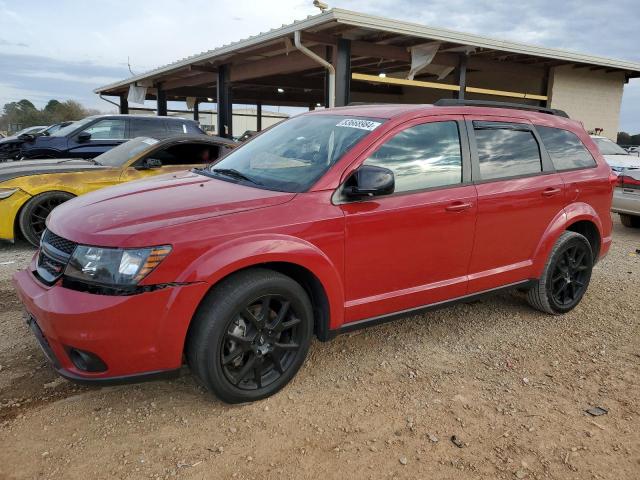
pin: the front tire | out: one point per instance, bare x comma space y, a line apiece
630, 221
566, 275
250, 335
35, 212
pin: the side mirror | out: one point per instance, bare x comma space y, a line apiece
27, 137
149, 163
84, 136
370, 181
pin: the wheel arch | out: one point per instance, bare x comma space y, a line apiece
16, 221
577, 217
294, 257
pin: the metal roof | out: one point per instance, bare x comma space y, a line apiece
338, 16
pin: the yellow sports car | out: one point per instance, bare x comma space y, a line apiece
29, 190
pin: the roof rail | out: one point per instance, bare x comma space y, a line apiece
454, 102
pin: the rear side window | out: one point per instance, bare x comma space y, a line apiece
506, 150
177, 127
422, 156
148, 128
565, 149
107, 129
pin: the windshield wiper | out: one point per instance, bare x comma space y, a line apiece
232, 172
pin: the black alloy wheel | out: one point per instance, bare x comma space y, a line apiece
250, 335
35, 212
260, 343
570, 274
565, 277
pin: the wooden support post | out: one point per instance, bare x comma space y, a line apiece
124, 104
161, 99
259, 116
225, 105
343, 73
462, 75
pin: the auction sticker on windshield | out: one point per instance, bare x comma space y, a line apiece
358, 123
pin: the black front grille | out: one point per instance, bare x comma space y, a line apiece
52, 266
55, 253
59, 243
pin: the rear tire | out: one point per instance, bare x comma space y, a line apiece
630, 221
35, 212
250, 335
565, 277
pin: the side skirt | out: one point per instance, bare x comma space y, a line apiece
370, 322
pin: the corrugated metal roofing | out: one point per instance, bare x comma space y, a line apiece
376, 23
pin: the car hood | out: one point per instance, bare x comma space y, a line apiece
620, 162
114, 215
23, 168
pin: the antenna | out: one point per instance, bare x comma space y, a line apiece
129, 65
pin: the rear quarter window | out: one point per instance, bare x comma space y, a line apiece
566, 150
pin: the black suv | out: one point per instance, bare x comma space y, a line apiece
94, 135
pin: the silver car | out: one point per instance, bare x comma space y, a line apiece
626, 197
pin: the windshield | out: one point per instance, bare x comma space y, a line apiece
294, 154
29, 130
64, 131
53, 128
607, 147
118, 156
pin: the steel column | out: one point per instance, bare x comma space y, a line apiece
161, 99
225, 105
343, 72
196, 110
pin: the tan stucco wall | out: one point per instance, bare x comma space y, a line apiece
593, 97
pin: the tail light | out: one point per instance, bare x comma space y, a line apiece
627, 182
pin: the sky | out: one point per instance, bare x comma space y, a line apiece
65, 49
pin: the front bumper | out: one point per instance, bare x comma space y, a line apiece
136, 337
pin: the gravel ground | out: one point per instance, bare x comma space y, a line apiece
510, 383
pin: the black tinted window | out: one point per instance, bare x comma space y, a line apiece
177, 126
506, 152
565, 149
188, 154
148, 128
422, 156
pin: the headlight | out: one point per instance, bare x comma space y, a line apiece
7, 192
114, 266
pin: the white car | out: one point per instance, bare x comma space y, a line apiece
616, 156
626, 198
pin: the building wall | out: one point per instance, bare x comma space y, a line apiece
592, 97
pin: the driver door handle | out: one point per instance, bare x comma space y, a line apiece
458, 206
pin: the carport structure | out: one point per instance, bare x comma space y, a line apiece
339, 57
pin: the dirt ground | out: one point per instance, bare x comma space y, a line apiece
511, 384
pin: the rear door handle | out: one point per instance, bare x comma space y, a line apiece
458, 206
550, 192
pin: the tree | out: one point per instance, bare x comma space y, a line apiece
624, 138
22, 114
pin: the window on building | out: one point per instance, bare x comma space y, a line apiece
422, 156
565, 149
506, 150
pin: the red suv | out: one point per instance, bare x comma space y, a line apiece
331, 221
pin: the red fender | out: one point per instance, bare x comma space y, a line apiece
253, 250
571, 214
